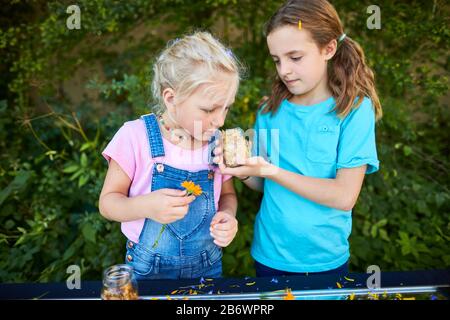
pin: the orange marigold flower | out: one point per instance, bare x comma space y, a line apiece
192, 188
288, 295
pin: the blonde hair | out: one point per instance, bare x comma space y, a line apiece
189, 62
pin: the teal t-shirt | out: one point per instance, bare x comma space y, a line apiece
293, 233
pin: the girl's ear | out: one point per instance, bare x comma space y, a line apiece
329, 50
168, 95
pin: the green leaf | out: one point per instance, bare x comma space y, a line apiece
440, 198
373, 231
9, 224
19, 182
382, 223
89, 232
83, 179
76, 175
70, 251
422, 248
383, 235
71, 168
83, 160
22, 230
422, 207
85, 146
407, 151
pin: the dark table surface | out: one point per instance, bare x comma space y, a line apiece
242, 288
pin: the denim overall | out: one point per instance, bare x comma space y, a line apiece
185, 248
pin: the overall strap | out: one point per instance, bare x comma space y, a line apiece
154, 135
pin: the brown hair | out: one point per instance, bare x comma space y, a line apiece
349, 77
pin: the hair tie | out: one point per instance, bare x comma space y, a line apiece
342, 37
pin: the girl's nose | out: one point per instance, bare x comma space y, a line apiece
218, 120
284, 69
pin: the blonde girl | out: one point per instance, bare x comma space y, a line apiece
176, 209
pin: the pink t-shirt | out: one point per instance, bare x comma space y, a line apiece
130, 149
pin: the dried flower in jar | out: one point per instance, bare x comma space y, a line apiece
119, 283
236, 149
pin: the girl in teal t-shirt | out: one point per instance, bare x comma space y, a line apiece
314, 141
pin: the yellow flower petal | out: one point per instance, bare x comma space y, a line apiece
348, 279
289, 295
192, 188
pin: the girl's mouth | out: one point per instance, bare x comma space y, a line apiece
291, 82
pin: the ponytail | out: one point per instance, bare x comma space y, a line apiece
350, 78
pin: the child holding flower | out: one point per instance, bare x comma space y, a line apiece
177, 210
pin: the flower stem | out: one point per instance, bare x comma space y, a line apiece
155, 244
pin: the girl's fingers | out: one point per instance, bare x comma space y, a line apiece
253, 161
182, 201
238, 171
179, 212
217, 151
223, 226
217, 234
222, 244
173, 192
219, 244
220, 234
220, 217
220, 239
221, 167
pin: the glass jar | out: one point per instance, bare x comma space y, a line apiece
119, 283
236, 148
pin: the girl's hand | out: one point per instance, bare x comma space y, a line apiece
224, 227
254, 166
166, 205
257, 165
218, 155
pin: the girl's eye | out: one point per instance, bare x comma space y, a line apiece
276, 61
296, 58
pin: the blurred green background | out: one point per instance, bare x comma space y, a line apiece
64, 93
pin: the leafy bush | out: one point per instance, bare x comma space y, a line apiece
51, 137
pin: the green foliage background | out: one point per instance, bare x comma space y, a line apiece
51, 170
